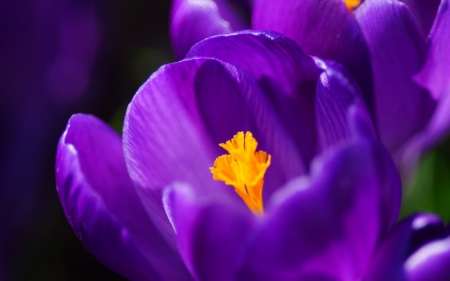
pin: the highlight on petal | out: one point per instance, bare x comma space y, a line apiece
195, 20
431, 262
103, 208
435, 75
408, 235
397, 52
322, 28
211, 234
286, 75
336, 96
179, 116
326, 226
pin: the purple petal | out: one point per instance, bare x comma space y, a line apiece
437, 129
435, 76
286, 75
193, 21
323, 28
424, 13
179, 116
361, 124
405, 238
398, 53
103, 208
325, 227
337, 93
431, 262
211, 235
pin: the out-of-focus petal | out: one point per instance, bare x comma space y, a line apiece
211, 235
325, 227
323, 28
431, 262
336, 94
404, 239
424, 13
435, 76
195, 20
398, 52
179, 116
437, 129
103, 208
286, 75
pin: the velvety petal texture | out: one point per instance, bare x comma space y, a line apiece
323, 28
211, 234
336, 94
424, 13
435, 76
286, 75
179, 116
103, 208
195, 20
410, 234
397, 52
326, 226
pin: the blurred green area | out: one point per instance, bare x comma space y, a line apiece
430, 189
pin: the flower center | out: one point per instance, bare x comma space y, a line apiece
352, 4
244, 169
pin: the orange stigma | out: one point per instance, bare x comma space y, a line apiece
352, 4
244, 169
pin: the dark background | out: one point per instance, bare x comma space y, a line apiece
134, 42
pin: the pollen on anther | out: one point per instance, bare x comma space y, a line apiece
352, 4
243, 168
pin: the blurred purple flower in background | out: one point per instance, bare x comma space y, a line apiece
47, 53
148, 208
380, 42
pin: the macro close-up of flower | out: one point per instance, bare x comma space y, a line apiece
279, 147
224, 140
399, 61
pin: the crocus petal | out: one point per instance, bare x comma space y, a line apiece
435, 76
398, 52
195, 20
424, 13
361, 124
211, 235
405, 238
179, 116
336, 94
286, 75
431, 262
325, 227
103, 208
437, 129
323, 28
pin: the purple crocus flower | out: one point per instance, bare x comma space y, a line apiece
380, 42
148, 207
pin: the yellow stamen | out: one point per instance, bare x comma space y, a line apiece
244, 169
352, 4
